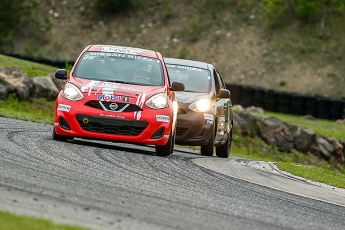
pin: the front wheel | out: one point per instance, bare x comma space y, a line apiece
168, 149
207, 150
58, 137
223, 151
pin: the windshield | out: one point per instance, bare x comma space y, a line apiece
119, 67
194, 79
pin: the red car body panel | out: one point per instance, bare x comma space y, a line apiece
99, 94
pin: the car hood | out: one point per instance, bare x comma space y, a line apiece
190, 97
109, 91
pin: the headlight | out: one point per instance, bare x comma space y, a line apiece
201, 105
71, 92
158, 101
175, 107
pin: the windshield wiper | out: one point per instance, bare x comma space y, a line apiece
116, 81
190, 91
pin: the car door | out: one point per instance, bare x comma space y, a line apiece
223, 108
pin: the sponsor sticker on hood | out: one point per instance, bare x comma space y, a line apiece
126, 99
108, 98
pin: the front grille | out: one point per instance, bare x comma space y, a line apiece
121, 107
182, 127
111, 125
181, 131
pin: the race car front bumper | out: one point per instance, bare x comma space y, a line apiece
194, 128
152, 127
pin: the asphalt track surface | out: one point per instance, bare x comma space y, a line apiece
104, 185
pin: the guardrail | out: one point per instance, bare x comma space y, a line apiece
288, 102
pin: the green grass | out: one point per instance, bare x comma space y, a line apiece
9, 221
296, 163
250, 153
35, 110
320, 174
33, 69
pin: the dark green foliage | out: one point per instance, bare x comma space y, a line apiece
212, 7
194, 28
11, 14
113, 6
183, 53
274, 10
306, 11
169, 10
282, 83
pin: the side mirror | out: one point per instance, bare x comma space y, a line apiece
61, 74
224, 93
177, 86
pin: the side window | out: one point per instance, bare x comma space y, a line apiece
221, 83
163, 66
216, 80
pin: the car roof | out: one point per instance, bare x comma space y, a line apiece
122, 49
198, 64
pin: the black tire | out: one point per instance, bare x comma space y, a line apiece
168, 149
223, 151
173, 141
58, 137
207, 150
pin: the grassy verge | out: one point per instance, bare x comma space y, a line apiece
18, 222
33, 69
35, 110
296, 163
320, 174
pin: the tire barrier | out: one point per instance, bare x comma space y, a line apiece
258, 97
337, 108
247, 96
287, 102
298, 104
236, 93
284, 102
311, 106
324, 108
271, 100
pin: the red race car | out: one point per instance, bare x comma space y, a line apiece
117, 93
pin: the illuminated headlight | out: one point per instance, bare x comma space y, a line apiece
71, 92
201, 105
175, 107
158, 101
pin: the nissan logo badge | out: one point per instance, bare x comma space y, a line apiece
113, 106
